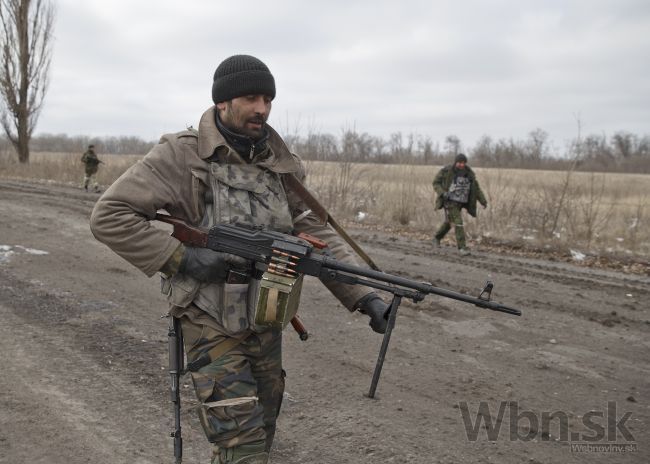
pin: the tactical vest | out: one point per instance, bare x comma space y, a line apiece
246, 194
251, 195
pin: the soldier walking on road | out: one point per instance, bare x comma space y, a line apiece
456, 187
89, 158
234, 169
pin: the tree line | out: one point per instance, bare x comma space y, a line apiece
621, 152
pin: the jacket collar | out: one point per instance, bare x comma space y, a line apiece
211, 142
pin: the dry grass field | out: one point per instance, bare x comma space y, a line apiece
590, 212
583, 211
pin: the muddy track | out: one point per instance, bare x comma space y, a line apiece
515, 266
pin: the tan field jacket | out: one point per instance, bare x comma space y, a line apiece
174, 176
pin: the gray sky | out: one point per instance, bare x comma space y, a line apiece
468, 68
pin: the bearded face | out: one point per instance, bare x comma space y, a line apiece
246, 115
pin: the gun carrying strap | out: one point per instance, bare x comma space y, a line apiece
320, 211
216, 352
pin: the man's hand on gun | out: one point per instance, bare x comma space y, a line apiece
373, 306
207, 265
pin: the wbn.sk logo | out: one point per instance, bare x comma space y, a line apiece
601, 428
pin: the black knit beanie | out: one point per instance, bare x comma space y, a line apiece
241, 75
460, 157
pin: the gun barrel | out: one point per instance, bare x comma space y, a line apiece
258, 245
421, 287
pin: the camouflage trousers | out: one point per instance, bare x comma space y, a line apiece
453, 216
90, 178
240, 392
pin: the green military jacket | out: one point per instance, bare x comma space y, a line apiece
443, 181
91, 161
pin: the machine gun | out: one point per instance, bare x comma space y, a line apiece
295, 255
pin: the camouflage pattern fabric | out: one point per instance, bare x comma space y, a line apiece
90, 179
453, 217
240, 392
253, 453
91, 161
248, 194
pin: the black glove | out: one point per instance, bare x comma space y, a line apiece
206, 265
372, 305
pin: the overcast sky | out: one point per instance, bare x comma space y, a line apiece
468, 68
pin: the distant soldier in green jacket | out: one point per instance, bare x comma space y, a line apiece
92, 165
457, 188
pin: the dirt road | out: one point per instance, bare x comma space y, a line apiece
83, 374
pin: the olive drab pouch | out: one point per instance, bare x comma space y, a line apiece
277, 300
179, 289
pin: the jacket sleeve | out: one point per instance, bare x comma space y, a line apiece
438, 182
348, 295
121, 217
480, 196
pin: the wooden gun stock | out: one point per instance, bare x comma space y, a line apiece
184, 232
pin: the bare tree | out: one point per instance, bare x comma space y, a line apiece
537, 146
26, 43
452, 145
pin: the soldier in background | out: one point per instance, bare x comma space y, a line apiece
89, 158
234, 168
456, 187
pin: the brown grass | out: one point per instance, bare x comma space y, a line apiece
65, 168
602, 212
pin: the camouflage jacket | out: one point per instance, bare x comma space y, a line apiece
90, 160
174, 176
443, 181
90, 157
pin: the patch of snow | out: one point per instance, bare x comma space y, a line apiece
361, 216
577, 255
620, 239
33, 251
7, 251
5, 255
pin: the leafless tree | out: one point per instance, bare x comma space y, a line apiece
537, 147
26, 44
452, 145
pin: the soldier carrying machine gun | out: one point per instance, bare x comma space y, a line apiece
279, 261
